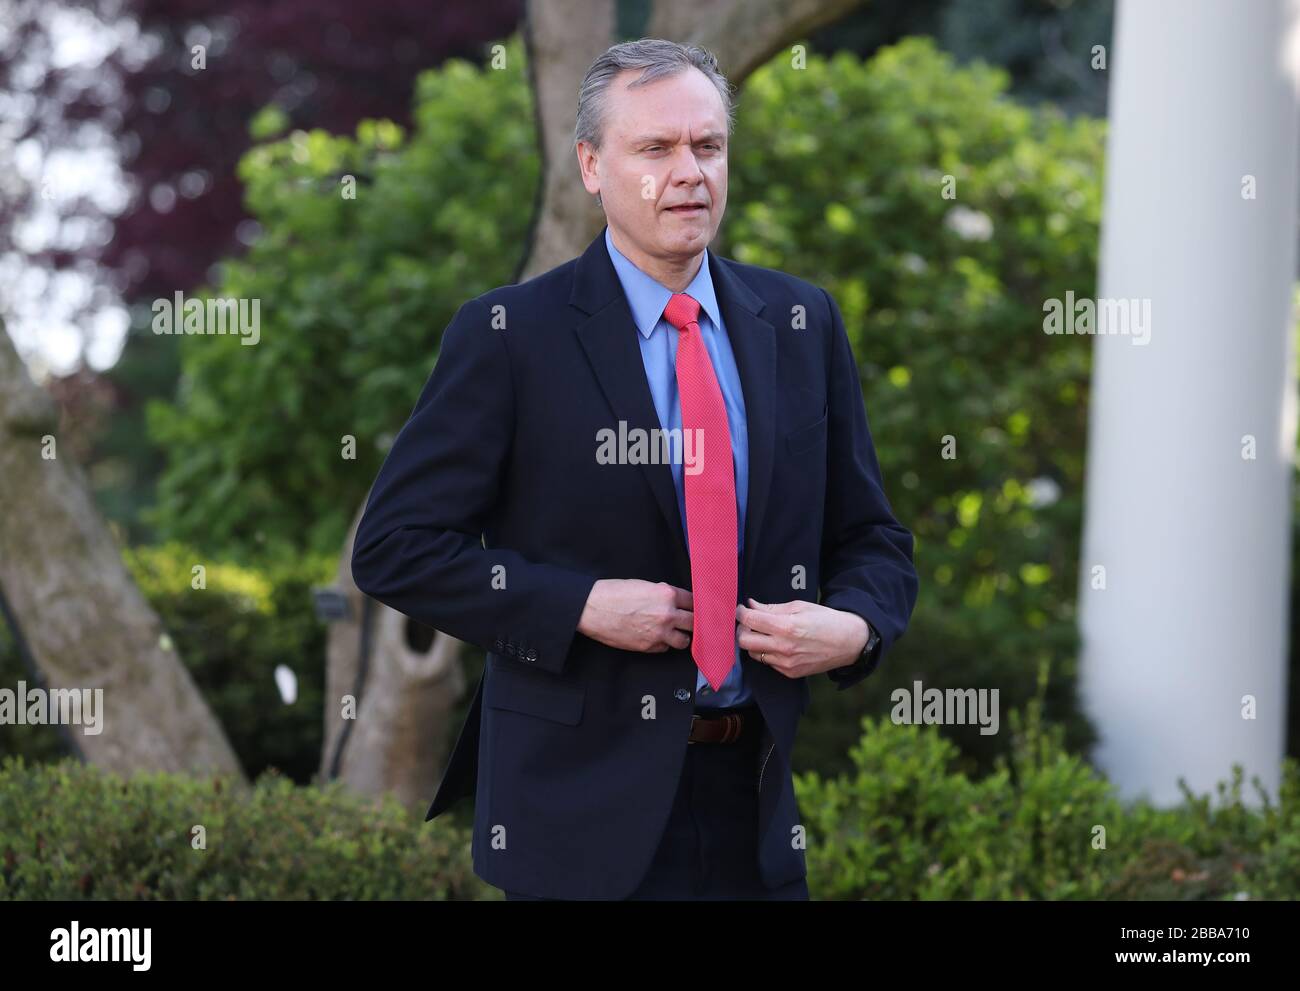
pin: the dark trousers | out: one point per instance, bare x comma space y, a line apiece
709, 849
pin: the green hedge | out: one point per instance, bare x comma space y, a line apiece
908, 825
71, 831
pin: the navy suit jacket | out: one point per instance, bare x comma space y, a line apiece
492, 518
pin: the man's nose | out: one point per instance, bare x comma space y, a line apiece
686, 167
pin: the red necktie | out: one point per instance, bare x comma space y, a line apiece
710, 497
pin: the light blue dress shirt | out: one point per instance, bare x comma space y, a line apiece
646, 298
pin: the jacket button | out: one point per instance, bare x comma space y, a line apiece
682, 694
531, 655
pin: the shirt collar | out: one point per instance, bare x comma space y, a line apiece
646, 297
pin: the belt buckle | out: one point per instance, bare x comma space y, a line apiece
732, 719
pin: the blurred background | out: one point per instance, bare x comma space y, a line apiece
177, 510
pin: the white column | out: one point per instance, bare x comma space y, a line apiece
1194, 538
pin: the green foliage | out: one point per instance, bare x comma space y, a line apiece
838, 175
908, 825
1048, 46
70, 831
354, 296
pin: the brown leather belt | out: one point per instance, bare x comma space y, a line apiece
725, 727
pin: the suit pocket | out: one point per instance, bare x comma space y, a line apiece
534, 695
805, 438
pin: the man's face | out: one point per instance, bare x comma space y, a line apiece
663, 145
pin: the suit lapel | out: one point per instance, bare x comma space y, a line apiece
753, 342
608, 336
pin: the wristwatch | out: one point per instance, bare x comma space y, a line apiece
862, 663
872, 640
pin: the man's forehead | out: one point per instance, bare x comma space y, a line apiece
672, 132
644, 115
691, 78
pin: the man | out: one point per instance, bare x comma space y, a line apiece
627, 479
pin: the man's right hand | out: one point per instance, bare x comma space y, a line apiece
631, 614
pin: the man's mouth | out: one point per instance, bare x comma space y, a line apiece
687, 209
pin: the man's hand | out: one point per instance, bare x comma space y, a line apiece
801, 638
632, 614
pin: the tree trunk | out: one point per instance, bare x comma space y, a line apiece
86, 623
398, 682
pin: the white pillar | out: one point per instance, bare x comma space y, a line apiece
1194, 538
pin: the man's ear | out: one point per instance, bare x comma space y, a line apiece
586, 159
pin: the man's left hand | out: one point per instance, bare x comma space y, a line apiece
800, 638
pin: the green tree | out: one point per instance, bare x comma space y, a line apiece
354, 295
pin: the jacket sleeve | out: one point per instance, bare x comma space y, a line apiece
419, 547
866, 555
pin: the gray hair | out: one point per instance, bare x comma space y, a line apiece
658, 59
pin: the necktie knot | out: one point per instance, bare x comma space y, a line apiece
682, 310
